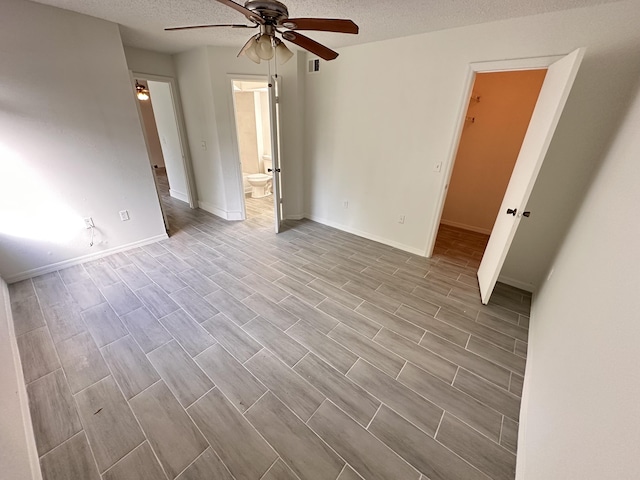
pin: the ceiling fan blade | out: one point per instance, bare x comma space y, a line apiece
311, 45
245, 11
232, 25
320, 25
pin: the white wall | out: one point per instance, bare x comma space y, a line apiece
71, 144
369, 141
192, 70
205, 76
146, 61
580, 417
18, 455
167, 127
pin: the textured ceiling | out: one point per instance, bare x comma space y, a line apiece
142, 21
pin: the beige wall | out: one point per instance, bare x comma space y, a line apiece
149, 124
489, 146
266, 122
247, 134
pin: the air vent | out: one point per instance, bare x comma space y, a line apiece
314, 65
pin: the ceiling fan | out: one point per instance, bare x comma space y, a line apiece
271, 17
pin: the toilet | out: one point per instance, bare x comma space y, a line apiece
261, 182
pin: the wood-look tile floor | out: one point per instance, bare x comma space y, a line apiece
227, 352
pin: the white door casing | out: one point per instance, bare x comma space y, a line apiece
551, 101
274, 111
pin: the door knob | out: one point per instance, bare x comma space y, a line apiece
512, 211
526, 214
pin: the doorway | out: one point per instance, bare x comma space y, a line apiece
163, 131
254, 141
495, 123
557, 84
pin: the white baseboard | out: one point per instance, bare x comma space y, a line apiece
14, 399
527, 287
207, 207
486, 231
235, 216
218, 212
179, 195
78, 260
360, 233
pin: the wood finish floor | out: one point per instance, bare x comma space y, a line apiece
227, 352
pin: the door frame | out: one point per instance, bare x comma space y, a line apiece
182, 131
492, 66
234, 129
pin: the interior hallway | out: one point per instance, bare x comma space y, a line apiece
229, 352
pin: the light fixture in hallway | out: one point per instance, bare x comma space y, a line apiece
142, 92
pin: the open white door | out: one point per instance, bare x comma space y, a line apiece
274, 110
551, 101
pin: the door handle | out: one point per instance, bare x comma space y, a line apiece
512, 211
526, 214
273, 170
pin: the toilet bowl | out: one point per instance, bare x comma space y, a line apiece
260, 184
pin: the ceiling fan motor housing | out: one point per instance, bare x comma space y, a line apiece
271, 11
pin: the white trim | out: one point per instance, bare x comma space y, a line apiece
218, 212
179, 195
360, 233
527, 287
84, 258
238, 215
532, 63
23, 400
208, 207
182, 131
471, 228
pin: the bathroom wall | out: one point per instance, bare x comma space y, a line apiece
149, 125
263, 98
489, 147
247, 131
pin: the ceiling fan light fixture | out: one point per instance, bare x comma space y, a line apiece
283, 54
264, 49
142, 92
250, 50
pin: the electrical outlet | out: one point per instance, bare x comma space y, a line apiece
345, 204
401, 219
124, 215
88, 223
437, 167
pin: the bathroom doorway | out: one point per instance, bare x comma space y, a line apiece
253, 132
